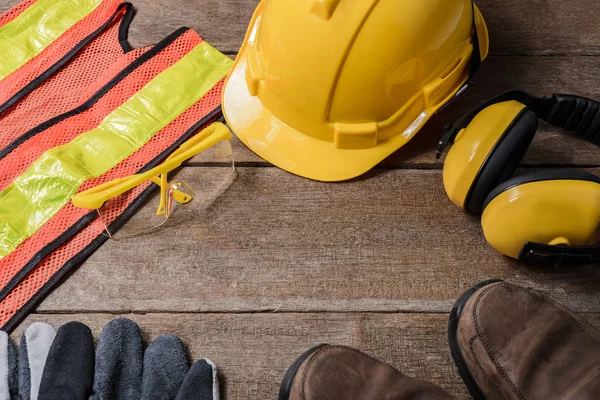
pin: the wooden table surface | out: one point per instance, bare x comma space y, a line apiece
280, 263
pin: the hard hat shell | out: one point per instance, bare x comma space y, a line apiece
327, 89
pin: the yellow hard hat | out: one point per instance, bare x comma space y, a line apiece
327, 89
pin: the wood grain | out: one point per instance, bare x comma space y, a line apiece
252, 352
272, 242
278, 263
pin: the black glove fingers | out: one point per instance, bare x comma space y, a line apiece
165, 367
119, 362
69, 370
64, 365
200, 383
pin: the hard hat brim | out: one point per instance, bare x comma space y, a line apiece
294, 151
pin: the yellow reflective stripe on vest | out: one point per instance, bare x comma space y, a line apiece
36, 28
34, 197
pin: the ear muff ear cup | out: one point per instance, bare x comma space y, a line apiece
504, 159
541, 176
487, 152
549, 207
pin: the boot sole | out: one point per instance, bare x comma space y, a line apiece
455, 350
288, 380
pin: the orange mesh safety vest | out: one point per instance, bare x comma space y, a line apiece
190, 75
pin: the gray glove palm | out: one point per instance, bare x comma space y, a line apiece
21, 373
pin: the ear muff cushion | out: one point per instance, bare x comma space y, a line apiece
549, 208
503, 160
572, 175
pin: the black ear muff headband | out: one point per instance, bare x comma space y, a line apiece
576, 114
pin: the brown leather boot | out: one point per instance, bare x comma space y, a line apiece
341, 373
514, 343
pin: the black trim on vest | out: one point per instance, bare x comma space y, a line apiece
124, 29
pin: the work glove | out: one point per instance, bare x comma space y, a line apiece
69, 369
63, 365
124, 371
9, 384
21, 373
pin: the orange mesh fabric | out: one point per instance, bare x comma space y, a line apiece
23, 278
19, 160
14, 12
41, 279
74, 83
60, 48
69, 215
26, 291
47, 274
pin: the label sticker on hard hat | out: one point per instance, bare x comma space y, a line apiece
414, 127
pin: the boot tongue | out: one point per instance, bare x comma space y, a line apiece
542, 349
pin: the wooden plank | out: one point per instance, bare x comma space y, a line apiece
253, 351
517, 27
389, 242
542, 27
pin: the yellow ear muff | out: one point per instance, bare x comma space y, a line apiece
563, 212
472, 147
